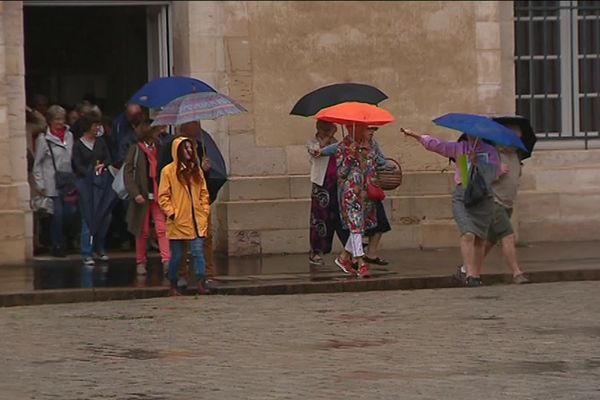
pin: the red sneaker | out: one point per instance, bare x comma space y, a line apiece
345, 265
202, 289
363, 271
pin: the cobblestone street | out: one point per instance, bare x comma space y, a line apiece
502, 342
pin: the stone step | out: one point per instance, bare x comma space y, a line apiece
534, 206
561, 179
551, 159
294, 213
560, 229
299, 186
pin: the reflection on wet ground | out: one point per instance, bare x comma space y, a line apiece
51, 273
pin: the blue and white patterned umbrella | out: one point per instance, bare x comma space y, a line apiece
197, 107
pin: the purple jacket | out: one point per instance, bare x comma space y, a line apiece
456, 149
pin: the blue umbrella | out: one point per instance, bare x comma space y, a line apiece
162, 91
96, 199
481, 127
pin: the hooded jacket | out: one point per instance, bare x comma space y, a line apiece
43, 168
186, 206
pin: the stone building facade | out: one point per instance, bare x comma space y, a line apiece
430, 58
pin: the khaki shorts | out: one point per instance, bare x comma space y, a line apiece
501, 226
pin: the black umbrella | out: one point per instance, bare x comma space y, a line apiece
96, 199
528, 135
217, 176
331, 95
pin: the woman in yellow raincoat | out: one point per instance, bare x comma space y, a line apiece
183, 197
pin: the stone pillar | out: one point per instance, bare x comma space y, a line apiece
198, 51
16, 243
495, 48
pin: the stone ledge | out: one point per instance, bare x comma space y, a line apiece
559, 230
388, 282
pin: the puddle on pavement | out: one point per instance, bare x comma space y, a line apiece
538, 367
589, 331
114, 317
353, 344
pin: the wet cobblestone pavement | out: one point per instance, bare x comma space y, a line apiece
500, 342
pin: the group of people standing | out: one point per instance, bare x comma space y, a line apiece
163, 175
341, 201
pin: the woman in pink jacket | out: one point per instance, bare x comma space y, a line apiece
473, 221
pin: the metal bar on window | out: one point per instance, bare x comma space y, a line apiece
566, 68
532, 115
545, 69
583, 81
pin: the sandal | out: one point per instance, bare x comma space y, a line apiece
376, 260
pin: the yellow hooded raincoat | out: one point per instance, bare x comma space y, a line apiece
188, 204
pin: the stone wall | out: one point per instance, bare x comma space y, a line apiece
15, 216
429, 57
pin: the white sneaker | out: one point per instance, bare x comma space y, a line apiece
182, 283
141, 269
88, 261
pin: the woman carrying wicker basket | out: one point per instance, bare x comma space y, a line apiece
383, 225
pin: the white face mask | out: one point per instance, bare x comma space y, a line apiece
100, 131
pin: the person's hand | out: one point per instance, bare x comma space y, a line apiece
504, 169
139, 199
99, 167
314, 152
42, 191
409, 133
473, 157
206, 164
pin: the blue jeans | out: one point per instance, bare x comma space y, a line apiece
198, 262
57, 228
87, 247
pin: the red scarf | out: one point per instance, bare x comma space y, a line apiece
151, 153
59, 133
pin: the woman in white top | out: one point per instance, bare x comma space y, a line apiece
324, 209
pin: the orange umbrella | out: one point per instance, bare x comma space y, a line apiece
352, 112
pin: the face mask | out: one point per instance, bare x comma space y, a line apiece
100, 131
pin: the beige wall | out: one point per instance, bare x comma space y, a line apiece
15, 217
429, 57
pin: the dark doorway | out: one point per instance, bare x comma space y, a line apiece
98, 53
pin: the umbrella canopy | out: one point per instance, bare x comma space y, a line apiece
197, 107
217, 176
353, 112
161, 91
481, 127
328, 96
96, 199
528, 136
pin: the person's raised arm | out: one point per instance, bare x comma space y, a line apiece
436, 145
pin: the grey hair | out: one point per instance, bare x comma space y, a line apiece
55, 111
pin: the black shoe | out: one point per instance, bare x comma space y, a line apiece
471, 281
376, 260
58, 253
459, 275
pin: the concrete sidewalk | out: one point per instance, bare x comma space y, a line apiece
53, 281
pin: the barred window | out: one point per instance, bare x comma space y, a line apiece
557, 67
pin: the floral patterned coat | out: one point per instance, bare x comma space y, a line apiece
354, 167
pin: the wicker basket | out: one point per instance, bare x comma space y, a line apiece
390, 180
